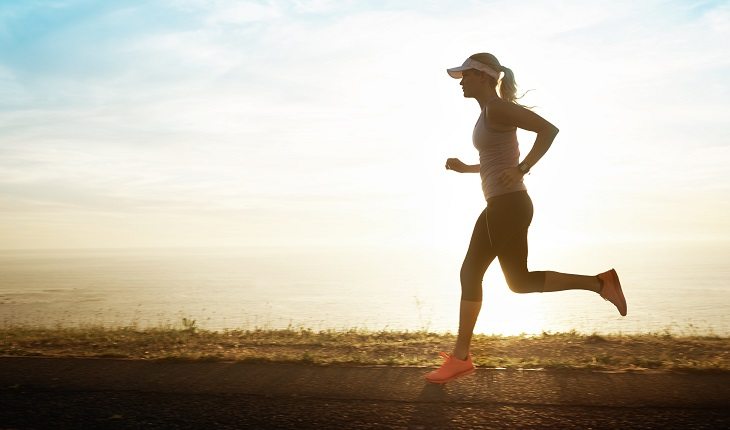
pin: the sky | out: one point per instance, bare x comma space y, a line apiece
179, 123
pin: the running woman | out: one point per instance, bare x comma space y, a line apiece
501, 229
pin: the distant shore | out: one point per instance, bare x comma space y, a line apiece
651, 351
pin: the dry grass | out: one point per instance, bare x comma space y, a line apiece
359, 347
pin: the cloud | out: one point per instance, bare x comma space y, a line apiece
328, 107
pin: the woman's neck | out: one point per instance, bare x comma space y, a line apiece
486, 97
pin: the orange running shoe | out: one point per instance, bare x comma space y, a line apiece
611, 290
451, 369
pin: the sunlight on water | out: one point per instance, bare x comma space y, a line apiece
680, 289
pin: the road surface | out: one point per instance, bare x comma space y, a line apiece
111, 393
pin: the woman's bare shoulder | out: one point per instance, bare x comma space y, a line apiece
499, 110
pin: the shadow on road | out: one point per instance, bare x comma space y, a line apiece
430, 408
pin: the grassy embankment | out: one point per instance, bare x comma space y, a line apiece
359, 347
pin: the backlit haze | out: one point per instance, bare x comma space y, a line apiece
327, 123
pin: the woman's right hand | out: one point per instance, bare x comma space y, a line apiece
456, 165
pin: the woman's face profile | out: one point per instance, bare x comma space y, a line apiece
469, 79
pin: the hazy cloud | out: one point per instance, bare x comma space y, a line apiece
192, 105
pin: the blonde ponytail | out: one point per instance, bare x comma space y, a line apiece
506, 86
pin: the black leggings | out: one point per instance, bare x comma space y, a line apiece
501, 231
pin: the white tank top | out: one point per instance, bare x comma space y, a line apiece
498, 151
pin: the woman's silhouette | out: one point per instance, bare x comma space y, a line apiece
501, 229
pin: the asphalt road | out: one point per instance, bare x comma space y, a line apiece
101, 393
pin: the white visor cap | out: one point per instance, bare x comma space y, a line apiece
456, 72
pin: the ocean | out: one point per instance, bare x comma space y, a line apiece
675, 288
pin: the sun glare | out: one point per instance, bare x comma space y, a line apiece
506, 313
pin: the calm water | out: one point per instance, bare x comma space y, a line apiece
676, 288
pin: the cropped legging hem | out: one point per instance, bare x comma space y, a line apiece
501, 232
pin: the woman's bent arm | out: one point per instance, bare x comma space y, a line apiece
542, 143
458, 166
514, 115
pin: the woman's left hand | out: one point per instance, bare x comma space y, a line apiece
511, 176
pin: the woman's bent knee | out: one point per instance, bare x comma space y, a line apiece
529, 282
521, 288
